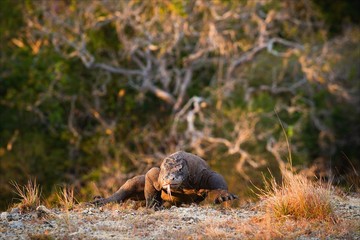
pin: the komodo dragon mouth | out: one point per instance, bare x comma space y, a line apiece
173, 173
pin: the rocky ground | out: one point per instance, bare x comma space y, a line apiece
190, 222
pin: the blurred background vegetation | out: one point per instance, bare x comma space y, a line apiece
95, 92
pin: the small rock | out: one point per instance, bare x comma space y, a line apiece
42, 211
42, 208
16, 224
73, 234
4, 216
89, 211
189, 220
50, 224
13, 216
15, 210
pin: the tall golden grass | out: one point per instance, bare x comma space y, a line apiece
298, 197
29, 195
66, 198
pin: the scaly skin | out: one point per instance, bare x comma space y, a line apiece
188, 177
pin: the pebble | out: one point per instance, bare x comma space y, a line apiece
4, 216
51, 224
13, 216
15, 210
177, 227
16, 224
42, 211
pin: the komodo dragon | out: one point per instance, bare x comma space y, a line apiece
181, 178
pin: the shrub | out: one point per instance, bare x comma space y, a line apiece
29, 195
66, 198
297, 197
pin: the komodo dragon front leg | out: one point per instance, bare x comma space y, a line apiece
152, 190
216, 183
132, 189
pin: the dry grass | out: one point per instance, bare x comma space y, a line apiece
353, 181
43, 236
353, 177
215, 231
66, 198
29, 195
297, 197
267, 227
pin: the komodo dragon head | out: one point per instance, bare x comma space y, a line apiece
173, 172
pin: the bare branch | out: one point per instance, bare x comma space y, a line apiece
117, 70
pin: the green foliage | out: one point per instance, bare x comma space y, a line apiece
61, 120
338, 12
